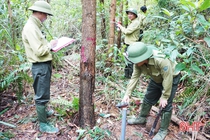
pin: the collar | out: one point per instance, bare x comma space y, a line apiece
36, 21
134, 19
151, 61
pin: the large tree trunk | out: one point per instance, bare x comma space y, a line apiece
103, 20
120, 20
112, 25
87, 64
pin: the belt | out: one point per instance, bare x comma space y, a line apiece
47, 62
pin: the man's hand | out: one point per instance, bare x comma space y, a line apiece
125, 99
163, 102
119, 25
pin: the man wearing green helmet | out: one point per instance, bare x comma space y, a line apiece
162, 86
131, 35
38, 52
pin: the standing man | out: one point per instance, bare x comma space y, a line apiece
38, 52
142, 17
162, 86
131, 35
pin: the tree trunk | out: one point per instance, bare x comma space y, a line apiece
126, 19
87, 64
103, 20
112, 25
11, 22
120, 20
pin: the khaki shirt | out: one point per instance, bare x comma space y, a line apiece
132, 31
141, 18
37, 47
160, 69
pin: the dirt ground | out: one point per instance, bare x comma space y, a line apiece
65, 84
20, 116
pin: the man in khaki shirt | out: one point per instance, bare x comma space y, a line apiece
162, 86
131, 33
38, 52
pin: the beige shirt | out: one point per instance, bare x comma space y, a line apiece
160, 69
132, 31
141, 18
37, 47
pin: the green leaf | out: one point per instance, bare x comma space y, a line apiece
80, 131
165, 11
17, 47
174, 55
160, 17
166, 40
207, 40
189, 51
188, 3
57, 75
180, 67
185, 8
75, 103
197, 69
7, 124
205, 5
104, 115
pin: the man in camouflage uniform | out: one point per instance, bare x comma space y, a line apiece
162, 86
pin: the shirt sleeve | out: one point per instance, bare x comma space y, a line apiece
167, 75
133, 81
141, 20
131, 27
38, 43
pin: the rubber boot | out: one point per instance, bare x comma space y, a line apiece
163, 131
42, 117
141, 119
48, 112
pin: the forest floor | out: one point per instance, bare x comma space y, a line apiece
65, 85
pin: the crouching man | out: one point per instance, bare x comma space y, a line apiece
162, 86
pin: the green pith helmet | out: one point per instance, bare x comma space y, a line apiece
132, 10
138, 52
41, 6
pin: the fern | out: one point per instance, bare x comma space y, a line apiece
62, 101
15, 75
74, 104
15, 80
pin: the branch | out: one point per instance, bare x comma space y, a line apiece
71, 64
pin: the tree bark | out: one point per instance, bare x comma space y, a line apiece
126, 19
103, 20
11, 22
112, 25
120, 20
87, 64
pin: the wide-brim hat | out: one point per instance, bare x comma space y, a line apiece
132, 10
41, 6
138, 52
